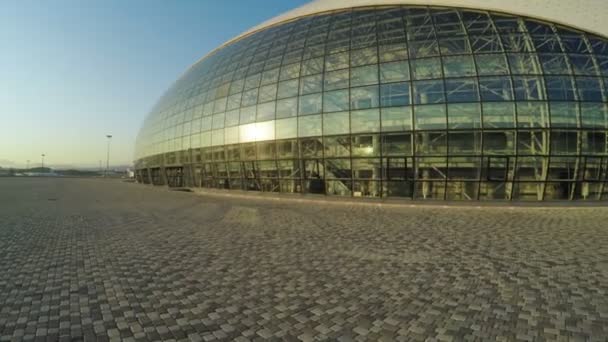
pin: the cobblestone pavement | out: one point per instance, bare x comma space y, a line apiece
106, 260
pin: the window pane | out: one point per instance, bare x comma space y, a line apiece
555, 64
583, 65
524, 64
499, 115
232, 118
218, 121
335, 101
395, 94
396, 119
464, 115
312, 66
287, 107
310, 104
309, 125
287, 128
311, 84
250, 97
492, 65
364, 97
365, 121
364, 56
247, 114
495, 89
430, 117
336, 61
456, 66
532, 114
428, 92
266, 111
589, 89
594, 115
336, 123
461, 90
426, 68
336, 80
560, 88
564, 114
394, 72
267, 93
528, 88
364, 75
288, 89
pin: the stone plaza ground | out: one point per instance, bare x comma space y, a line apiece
85, 259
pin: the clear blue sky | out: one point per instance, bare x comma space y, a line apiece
72, 71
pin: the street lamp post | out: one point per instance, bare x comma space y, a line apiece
28, 165
42, 155
108, 155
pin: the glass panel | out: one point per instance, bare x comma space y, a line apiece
367, 145
364, 97
464, 115
501, 143
528, 88
364, 75
495, 89
287, 108
309, 125
394, 72
364, 56
583, 65
286, 128
266, 111
336, 80
218, 121
288, 89
336, 123
524, 64
334, 101
336, 61
498, 115
589, 89
247, 114
458, 66
560, 88
555, 64
564, 114
492, 65
594, 115
428, 92
397, 144
365, 121
430, 117
464, 143
532, 114
396, 119
395, 94
311, 84
461, 90
312, 66
564, 142
310, 104
426, 68
337, 146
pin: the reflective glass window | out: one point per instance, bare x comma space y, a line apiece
532, 114
365, 121
266, 111
364, 56
528, 88
364, 75
336, 123
247, 114
430, 117
337, 79
288, 89
396, 119
524, 64
337, 100
426, 68
310, 125
395, 94
267, 93
286, 128
555, 64
461, 90
560, 88
311, 84
287, 108
336, 61
589, 89
428, 92
594, 115
583, 65
464, 115
564, 114
491, 65
364, 97
495, 89
458, 66
312, 66
498, 115
310, 104
394, 72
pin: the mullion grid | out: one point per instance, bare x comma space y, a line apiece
483, 128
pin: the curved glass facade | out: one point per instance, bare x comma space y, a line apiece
414, 102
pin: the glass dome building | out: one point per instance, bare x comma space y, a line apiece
450, 100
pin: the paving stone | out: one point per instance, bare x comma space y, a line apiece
111, 261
